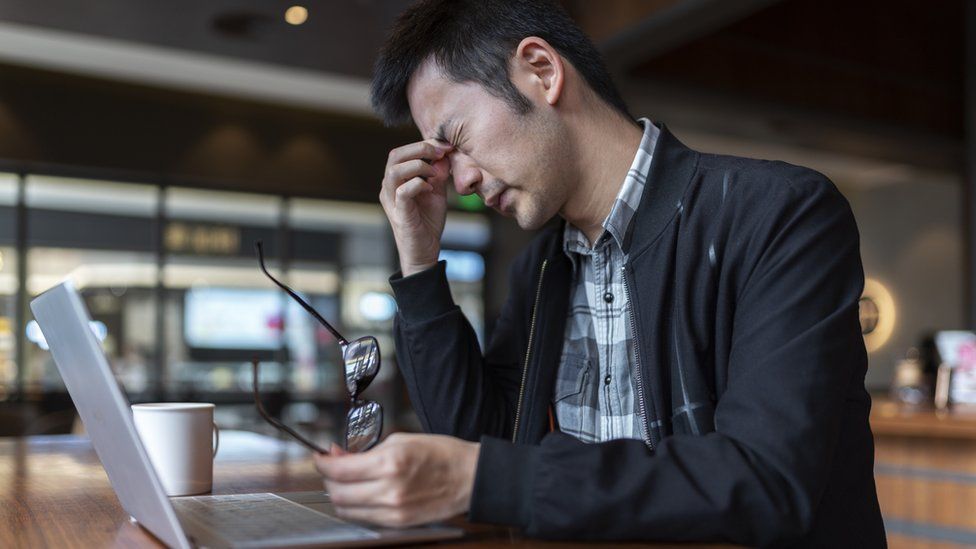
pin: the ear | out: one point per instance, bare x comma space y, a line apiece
538, 67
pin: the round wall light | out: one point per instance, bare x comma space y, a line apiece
296, 15
877, 314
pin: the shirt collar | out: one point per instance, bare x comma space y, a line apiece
617, 223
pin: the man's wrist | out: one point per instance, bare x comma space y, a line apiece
469, 467
413, 268
423, 295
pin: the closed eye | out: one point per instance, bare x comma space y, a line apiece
442, 138
441, 134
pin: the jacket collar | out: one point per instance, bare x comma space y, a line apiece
673, 166
617, 225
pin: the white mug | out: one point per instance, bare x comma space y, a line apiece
181, 439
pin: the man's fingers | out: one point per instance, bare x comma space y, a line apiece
399, 173
427, 150
391, 517
350, 467
369, 493
411, 189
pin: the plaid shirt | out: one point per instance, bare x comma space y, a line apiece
595, 394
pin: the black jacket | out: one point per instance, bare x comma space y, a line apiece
744, 278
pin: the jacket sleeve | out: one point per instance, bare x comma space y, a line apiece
454, 389
796, 354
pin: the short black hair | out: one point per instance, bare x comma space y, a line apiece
473, 40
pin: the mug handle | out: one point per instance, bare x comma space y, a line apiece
216, 431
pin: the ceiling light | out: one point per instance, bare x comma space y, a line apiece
296, 15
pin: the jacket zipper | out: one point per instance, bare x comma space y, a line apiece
528, 350
640, 376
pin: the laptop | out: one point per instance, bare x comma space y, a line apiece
297, 519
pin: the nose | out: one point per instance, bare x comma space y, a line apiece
466, 174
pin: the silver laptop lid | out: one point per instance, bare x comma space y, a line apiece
105, 411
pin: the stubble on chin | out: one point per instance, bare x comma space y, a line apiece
530, 215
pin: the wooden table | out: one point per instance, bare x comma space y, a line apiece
54, 492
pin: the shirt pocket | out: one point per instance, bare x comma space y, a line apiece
569, 394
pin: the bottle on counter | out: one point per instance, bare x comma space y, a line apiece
909, 386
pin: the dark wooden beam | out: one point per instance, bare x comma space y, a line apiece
806, 127
74, 126
671, 27
970, 162
835, 57
603, 19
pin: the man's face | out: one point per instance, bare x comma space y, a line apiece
516, 163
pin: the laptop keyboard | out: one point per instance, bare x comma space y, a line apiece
259, 520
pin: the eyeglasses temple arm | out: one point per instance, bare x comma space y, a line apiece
335, 333
267, 417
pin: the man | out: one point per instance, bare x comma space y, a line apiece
679, 359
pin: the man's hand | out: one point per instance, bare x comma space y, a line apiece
405, 481
414, 197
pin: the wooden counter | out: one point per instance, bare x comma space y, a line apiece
925, 469
891, 419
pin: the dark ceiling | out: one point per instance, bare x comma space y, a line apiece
899, 62
895, 61
874, 78
340, 36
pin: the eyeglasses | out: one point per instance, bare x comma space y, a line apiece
361, 360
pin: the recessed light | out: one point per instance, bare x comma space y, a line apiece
296, 15
242, 24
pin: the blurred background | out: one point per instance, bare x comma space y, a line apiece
146, 146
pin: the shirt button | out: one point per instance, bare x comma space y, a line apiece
606, 380
608, 297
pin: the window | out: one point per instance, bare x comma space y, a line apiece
219, 309
99, 235
117, 287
